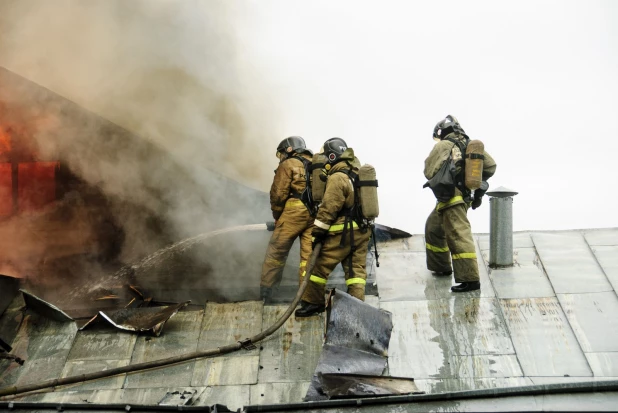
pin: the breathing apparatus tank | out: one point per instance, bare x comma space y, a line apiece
367, 185
474, 164
318, 177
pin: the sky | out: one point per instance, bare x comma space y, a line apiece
534, 80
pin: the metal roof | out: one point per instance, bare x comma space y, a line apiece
551, 318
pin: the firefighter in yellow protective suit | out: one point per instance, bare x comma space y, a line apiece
293, 218
447, 231
342, 240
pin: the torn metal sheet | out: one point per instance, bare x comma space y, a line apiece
343, 386
355, 324
384, 233
44, 308
357, 339
178, 398
140, 319
336, 359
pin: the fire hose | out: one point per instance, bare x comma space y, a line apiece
247, 344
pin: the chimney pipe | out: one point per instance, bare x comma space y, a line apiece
501, 227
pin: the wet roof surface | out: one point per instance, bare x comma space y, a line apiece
551, 318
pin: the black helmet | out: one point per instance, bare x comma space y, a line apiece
292, 144
333, 149
446, 126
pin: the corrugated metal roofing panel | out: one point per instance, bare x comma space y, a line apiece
603, 364
181, 335
44, 345
226, 371
415, 243
524, 280
415, 349
465, 383
427, 334
78, 367
543, 339
473, 326
486, 365
594, 319
70, 396
404, 277
569, 263
102, 343
292, 352
233, 397
597, 237
576, 401
149, 396
228, 323
607, 256
520, 240
178, 374
273, 393
542, 380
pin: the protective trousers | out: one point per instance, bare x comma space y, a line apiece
448, 235
294, 222
332, 254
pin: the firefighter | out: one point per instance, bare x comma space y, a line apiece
293, 218
341, 238
448, 234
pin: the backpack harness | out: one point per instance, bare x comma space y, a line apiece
305, 196
354, 214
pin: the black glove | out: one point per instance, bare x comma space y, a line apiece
477, 202
318, 235
478, 195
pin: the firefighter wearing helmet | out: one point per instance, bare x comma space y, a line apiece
292, 216
351, 250
448, 234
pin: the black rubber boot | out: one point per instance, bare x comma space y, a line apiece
307, 309
266, 294
463, 287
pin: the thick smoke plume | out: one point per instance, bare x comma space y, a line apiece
170, 72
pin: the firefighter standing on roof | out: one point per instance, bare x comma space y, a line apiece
447, 231
347, 246
292, 217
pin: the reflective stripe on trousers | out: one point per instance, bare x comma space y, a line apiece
315, 279
464, 255
436, 249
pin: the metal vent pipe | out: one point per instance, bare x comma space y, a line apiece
501, 227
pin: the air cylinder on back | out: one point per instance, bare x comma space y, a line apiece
318, 186
474, 164
368, 192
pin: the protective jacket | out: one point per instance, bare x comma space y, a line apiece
339, 194
440, 154
292, 220
448, 234
289, 181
